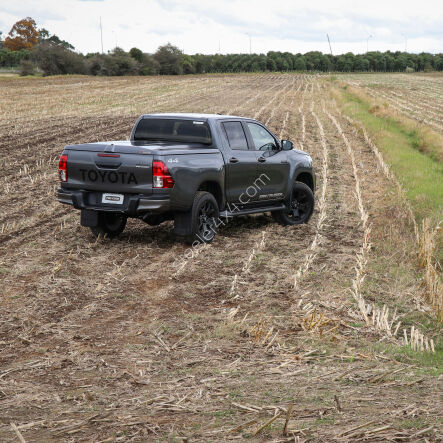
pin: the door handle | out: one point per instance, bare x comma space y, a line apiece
233, 160
261, 159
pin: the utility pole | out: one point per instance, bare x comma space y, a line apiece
219, 47
367, 43
250, 44
101, 33
406, 42
329, 41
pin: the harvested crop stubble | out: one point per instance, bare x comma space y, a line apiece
380, 318
98, 342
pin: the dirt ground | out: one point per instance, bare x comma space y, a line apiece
142, 339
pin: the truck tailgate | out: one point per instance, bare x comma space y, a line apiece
109, 171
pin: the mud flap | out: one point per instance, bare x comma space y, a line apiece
89, 218
183, 223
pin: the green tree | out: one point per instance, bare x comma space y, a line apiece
122, 63
271, 65
344, 64
300, 64
438, 62
54, 60
325, 64
358, 63
136, 54
149, 65
44, 36
13, 58
390, 62
283, 64
170, 59
188, 64
401, 63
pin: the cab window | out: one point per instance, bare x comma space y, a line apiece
236, 135
263, 140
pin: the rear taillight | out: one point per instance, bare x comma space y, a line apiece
161, 178
63, 168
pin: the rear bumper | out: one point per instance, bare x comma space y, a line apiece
133, 205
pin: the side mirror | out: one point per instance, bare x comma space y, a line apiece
287, 145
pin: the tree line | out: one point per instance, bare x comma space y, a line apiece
37, 50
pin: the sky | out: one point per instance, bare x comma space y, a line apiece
237, 26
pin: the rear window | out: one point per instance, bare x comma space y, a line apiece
236, 135
167, 129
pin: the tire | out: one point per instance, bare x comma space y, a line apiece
204, 216
110, 224
301, 206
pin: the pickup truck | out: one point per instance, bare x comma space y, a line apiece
198, 170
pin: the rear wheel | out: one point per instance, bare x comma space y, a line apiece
204, 216
110, 224
301, 206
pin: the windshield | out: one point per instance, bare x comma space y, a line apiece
168, 129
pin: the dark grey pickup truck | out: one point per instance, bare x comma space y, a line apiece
196, 169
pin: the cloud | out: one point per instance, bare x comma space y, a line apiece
200, 26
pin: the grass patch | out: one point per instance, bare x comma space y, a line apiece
323, 421
413, 423
429, 364
413, 154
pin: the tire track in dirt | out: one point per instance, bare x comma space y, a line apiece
302, 116
338, 235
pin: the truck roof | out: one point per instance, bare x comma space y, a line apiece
190, 116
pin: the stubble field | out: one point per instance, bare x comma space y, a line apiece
123, 340
418, 97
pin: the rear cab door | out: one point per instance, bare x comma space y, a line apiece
241, 163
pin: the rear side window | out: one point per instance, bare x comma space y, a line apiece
236, 135
169, 129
